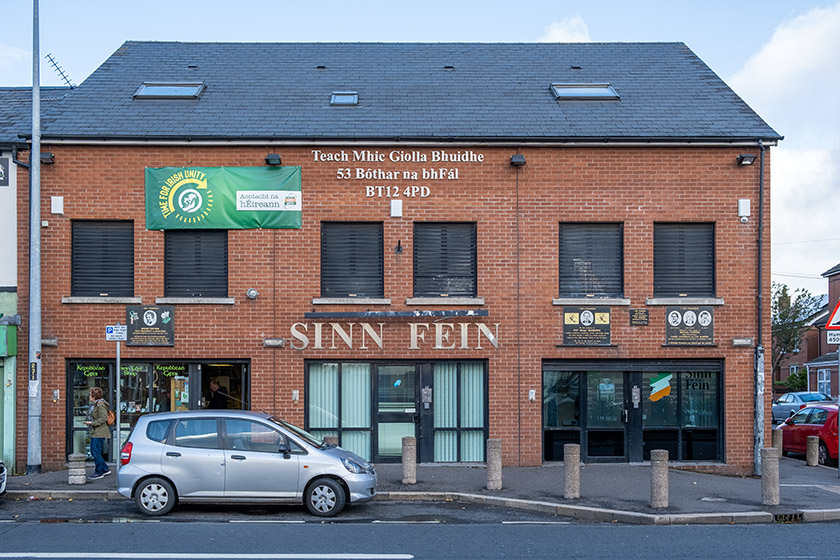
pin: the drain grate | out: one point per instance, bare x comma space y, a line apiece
788, 518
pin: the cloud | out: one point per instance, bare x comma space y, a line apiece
568, 30
12, 61
791, 82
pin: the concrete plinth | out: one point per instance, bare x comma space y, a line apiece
571, 466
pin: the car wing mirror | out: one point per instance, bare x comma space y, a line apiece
285, 450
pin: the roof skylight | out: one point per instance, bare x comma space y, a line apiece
594, 92
344, 98
169, 90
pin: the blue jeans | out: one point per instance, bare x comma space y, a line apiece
96, 444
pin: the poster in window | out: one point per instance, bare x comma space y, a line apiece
4, 172
689, 326
150, 325
586, 326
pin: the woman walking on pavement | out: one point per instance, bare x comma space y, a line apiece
99, 432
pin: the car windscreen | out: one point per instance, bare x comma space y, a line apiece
814, 397
303, 434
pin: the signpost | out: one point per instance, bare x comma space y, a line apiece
832, 331
117, 333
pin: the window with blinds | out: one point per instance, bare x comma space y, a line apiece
352, 259
102, 257
445, 259
196, 263
684, 260
591, 260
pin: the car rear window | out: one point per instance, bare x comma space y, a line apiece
814, 397
818, 416
157, 430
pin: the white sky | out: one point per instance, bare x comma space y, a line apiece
781, 56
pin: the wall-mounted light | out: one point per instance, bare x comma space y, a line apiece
252, 293
272, 159
744, 209
517, 160
47, 157
745, 159
398, 248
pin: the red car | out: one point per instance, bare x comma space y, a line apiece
817, 420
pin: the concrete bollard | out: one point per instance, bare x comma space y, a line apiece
659, 478
409, 460
770, 476
494, 464
76, 468
331, 440
571, 466
812, 450
777, 440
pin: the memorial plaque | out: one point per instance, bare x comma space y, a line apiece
586, 326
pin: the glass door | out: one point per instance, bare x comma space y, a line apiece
396, 409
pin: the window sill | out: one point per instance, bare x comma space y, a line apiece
102, 300
194, 301
590, 301
351, 301
684, 301
443, 300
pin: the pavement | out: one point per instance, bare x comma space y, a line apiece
609, 492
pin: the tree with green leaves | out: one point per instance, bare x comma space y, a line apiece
791, 313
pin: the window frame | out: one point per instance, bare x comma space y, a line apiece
352, 235
172, 287
112, 266
147, 90
445, 258
585, 229
675, 246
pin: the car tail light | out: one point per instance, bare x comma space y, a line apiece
801, 406
125, 454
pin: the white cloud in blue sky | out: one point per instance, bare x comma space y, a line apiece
568, 30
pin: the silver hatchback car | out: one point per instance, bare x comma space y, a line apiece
237, 457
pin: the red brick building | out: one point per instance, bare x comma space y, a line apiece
538, 243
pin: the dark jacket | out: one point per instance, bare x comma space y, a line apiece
99, 420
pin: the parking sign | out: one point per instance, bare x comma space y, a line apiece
115, 332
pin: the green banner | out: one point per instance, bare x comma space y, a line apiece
223, 197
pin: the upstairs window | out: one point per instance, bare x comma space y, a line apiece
586, 92
196, 263
445, 259
683, 260
591, 260
102, 256
352, 260
169, 90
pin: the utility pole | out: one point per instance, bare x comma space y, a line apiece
33, 447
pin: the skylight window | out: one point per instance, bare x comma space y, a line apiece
593, 92
169, 90
344, 98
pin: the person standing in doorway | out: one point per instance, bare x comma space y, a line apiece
99, 432
218, 395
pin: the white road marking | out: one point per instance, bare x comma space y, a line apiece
536, 523
204, 556
385, 522
281, 521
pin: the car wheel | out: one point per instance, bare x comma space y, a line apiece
822, 455
325, 497
155, 496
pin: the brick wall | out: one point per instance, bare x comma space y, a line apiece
636, 186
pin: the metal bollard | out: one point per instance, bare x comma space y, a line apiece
494, 464
331, 440
777, 440
770, 476
409, 460
659, 478
812, 450
76, 468
571, 466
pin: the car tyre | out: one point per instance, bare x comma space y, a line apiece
155, 496
822, 455
324, 497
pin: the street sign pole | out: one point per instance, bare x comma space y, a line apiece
117, 333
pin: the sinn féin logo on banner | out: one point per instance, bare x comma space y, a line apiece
185, 196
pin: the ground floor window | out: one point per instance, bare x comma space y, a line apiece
824, 381
371, 406
620, 411
149, 386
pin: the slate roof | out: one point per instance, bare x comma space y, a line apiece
492, 92
831, 271
16, 111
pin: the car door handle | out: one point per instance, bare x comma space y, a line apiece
172, 454
238, 457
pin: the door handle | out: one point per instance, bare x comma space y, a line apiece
625, 416
238, 457
172, 454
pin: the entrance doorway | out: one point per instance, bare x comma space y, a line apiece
620, 411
